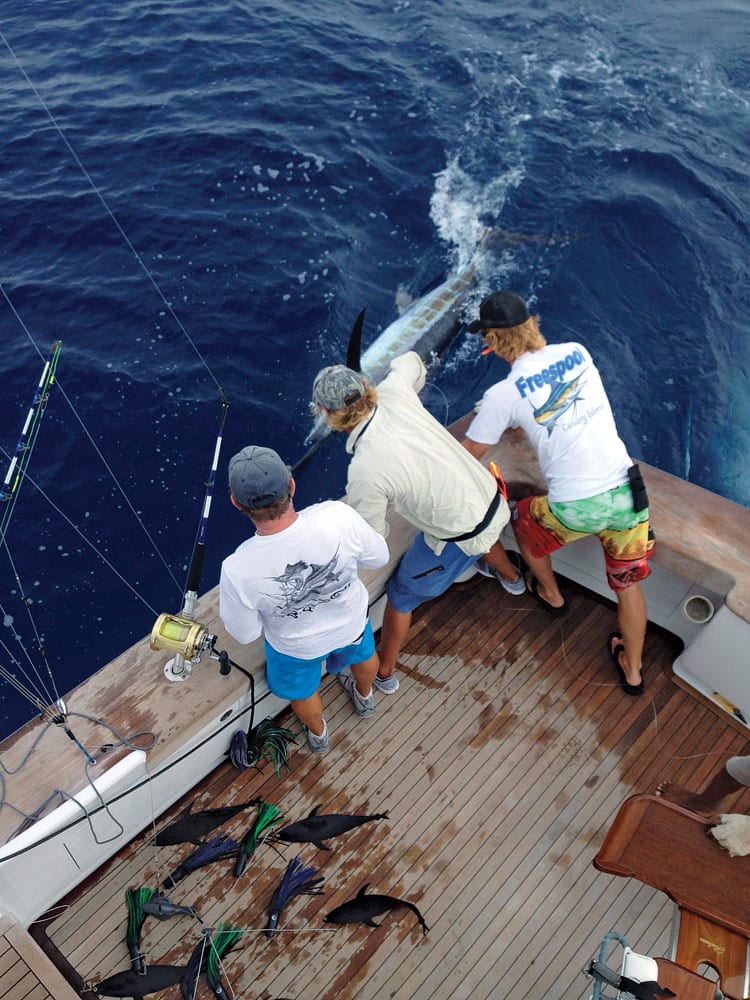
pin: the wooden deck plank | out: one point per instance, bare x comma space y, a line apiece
501, 763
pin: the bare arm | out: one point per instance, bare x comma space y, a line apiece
475, 448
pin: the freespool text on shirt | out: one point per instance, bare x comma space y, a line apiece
550, 375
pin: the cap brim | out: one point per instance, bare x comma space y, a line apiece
476, 327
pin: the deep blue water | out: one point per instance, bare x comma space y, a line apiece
275, 167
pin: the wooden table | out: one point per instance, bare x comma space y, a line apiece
669, 848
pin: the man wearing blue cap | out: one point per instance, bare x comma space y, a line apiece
296, 581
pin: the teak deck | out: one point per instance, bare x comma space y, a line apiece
501, 762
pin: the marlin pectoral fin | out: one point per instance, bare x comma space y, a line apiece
320, 845
371, 923
354, 350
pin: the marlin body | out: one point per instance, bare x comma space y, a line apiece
363, 908
315, 829
427, 326
561, 398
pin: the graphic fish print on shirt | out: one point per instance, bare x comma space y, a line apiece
302, 586
562, 396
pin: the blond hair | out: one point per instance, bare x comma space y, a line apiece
514, 341
351, 416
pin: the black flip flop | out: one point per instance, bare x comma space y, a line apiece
614, 654
532, 586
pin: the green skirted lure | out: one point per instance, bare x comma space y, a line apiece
136, 899
206, 958
224, 940
265, 742
268, 817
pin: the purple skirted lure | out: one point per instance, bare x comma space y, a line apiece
217, 849
297, 880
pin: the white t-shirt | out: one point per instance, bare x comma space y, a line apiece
403, 457
300, 585
556, 396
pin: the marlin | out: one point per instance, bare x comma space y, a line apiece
315, 829
428, 326
561, 398
363, 908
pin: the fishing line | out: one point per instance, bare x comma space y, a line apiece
94, 445
7, 619
83, 538
434, 385
109, 211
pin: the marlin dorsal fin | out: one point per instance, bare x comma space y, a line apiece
363, 890
354, 349
314, 812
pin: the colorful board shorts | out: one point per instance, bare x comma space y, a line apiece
294, 679
421, 575
626, 536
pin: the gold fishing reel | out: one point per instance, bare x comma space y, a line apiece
180, 635
183, 637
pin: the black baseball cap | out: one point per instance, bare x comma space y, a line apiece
500, 311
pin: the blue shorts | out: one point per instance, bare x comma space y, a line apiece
421, 575
294, 679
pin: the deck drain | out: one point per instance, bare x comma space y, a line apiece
698, 609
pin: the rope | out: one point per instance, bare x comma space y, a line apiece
61, 793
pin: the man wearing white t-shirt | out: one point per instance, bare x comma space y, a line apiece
296, 581
555, 394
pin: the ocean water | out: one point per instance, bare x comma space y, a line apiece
204, 195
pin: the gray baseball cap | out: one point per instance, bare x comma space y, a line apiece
258, 477
337, 387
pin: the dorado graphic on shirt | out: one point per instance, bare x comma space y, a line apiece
561, 398
304, 585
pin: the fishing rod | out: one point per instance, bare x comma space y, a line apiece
54, 711
182, 634
17, 467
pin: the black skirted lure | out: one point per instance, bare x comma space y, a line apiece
196, 964
193, 828
217, 849
296, 881
265, 742
268, 817
315, 829
363, 908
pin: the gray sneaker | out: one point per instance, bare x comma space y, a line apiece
318, 744
364, 707
518, 586
386, 685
